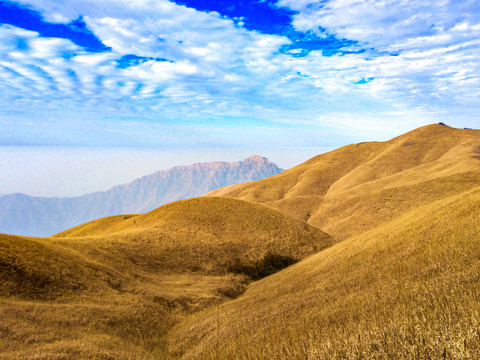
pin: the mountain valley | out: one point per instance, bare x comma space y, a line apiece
372, 252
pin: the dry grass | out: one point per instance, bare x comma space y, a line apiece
357, 187
200, 235
406, 290
104, 325
112, 288
36, 269
402, 281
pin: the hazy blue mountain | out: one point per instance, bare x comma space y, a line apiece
38, 216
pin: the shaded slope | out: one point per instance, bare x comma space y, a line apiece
357, 187
35, 269
405, 290
36, 216
201, 236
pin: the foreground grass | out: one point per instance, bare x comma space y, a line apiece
101, 326
113, 288
130, 323
407, 290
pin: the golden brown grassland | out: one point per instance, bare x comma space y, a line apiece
400, 279
112, 288
357, 187
409, 289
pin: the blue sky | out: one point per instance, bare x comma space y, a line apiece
190, 73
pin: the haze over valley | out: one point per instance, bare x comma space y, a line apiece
60, 171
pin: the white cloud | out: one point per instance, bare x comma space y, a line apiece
436, 43
383, 22
217, 68
46, 48
206, 50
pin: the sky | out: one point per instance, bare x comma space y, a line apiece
234, 74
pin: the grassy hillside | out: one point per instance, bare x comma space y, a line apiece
358, 187
408, 289
36, 269
199, 235
58, 303
400, 278
112, 288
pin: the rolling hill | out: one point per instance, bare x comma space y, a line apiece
358, 187
399, 278
129, 278
36, 216
408, 289
199, 235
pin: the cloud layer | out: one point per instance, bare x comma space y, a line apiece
401, 63
423, 51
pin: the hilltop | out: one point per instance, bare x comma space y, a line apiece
199, 234
357, 187
38, 216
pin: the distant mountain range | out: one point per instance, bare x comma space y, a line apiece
38, 216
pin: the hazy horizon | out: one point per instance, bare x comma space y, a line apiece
74, 171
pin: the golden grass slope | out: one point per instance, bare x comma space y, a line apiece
58, 303
112, 288
402, 284
357, 187
409, 289
200, 235
36, 269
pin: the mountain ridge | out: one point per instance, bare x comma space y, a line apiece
358, 180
